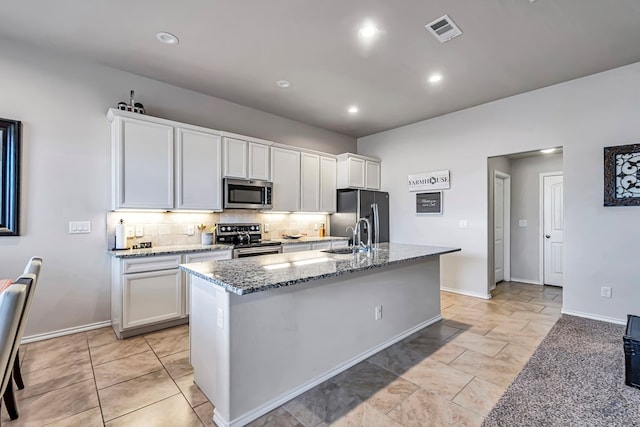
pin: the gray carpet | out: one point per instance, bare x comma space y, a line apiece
574, 378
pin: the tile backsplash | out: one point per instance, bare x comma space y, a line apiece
171, 228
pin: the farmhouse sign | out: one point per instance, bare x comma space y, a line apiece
429, 181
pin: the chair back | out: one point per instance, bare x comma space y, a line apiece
33, 267
12, 302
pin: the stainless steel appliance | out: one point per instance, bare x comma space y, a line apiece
246, 239
356, 204
247, 194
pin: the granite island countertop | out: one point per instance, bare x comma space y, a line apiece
254, 274
167, 250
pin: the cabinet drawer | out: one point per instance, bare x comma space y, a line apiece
207, 256
151, 263
339, 244
320, 246
296, 248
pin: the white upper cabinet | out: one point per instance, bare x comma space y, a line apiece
285, 173
318, 183
259, 162
246, 159
310, 182
235, 158
148, 152
142, 156
372, 175
328, 184
355, 171
198, 183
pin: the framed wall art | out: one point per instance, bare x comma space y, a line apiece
622, 175
429, 203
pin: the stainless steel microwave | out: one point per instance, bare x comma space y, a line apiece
247, 194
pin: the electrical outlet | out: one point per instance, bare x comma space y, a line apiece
464, 223
315, 227
378, 312
605, 291
266, 228
191, 229
79, 227
130, 231
139, 231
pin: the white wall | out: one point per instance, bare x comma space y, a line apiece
65, 159
583, 116
525, 204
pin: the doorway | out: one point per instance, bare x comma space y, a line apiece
552, 228
501, 227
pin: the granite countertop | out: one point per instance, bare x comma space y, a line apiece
255, 274
167, 250
308, 239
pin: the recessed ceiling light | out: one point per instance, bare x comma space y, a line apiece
353, 109
283, 83
368, 30
548, 150
167, 38
435, 78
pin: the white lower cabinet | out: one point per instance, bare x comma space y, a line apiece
150, 293
296, 248
200, 257
151, 297
318, 246
314, 246
339, 244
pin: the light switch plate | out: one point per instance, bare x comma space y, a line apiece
522, 223
130, 231
191, 229
79, 227
464, 223
139, 230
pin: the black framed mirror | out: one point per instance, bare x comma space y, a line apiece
10, 133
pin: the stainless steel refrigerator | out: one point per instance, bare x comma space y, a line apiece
355, 204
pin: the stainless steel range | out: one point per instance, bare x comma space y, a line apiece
246, 239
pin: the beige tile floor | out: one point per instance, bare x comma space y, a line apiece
451, 373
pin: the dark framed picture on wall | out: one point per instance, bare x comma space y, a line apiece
429, 203
622, 175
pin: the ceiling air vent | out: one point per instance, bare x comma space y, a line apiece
444, 29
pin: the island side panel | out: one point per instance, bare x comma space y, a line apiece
209, 342
285, 340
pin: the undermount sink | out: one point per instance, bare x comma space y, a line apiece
339, 251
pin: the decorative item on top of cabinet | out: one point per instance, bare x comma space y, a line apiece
356, 171
148, 152
246, 158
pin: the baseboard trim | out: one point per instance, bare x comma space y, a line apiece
271, 405
528, 282
594, 317
63, 332
467, 293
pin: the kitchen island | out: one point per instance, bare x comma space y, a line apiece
266, 329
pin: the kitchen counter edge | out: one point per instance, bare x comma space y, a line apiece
168, 250
422, 252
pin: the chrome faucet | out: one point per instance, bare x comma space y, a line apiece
357, 231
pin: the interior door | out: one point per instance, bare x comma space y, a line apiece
553, 228
498, 228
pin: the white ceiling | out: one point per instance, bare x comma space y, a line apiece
237, 50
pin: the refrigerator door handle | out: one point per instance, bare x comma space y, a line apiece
376, 225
